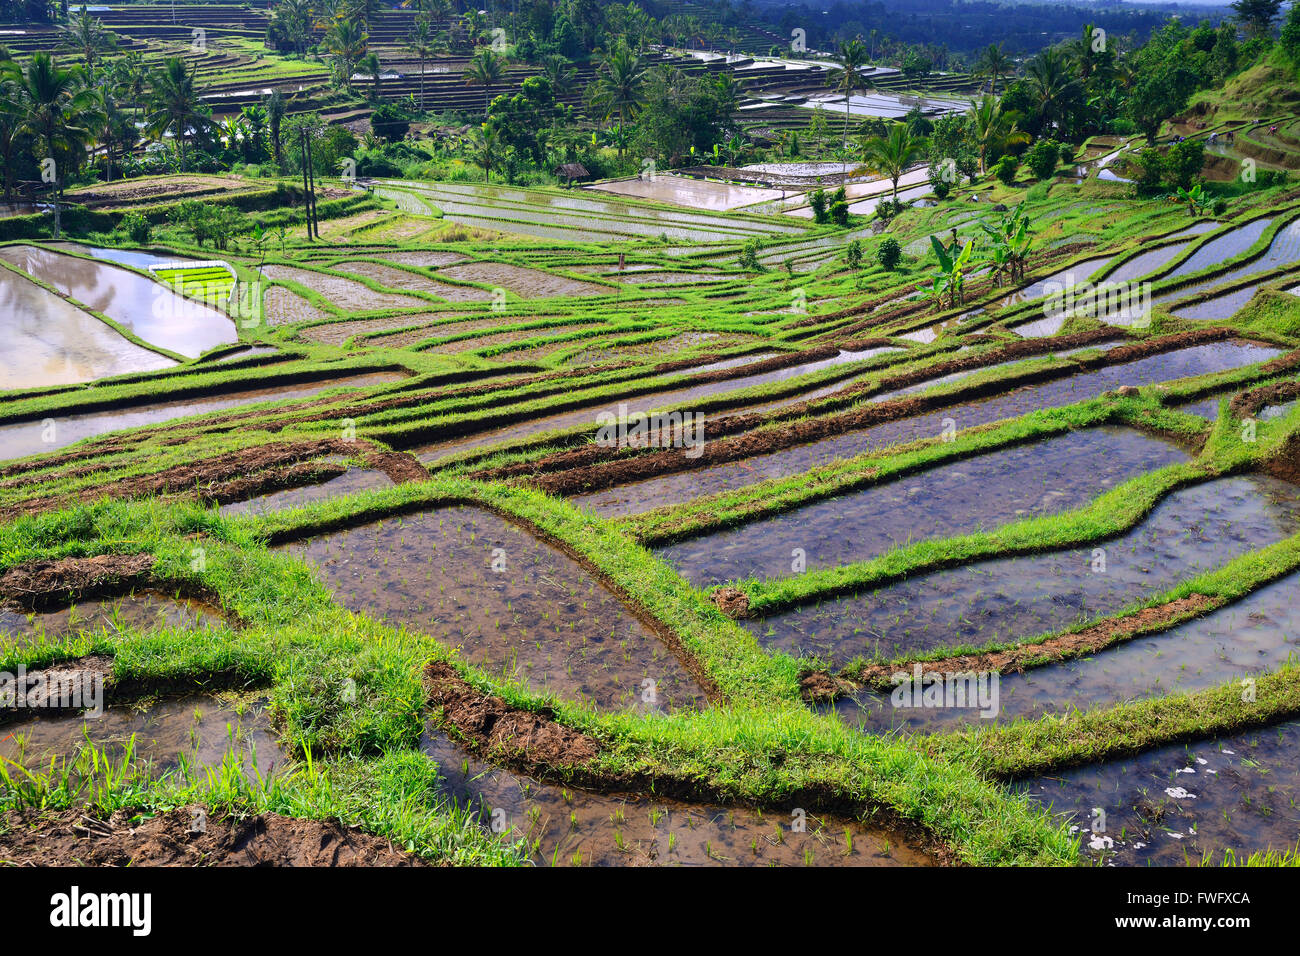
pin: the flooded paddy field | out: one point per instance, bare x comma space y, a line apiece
1249, 637
977, 493
32, 437
145, 610
683, 486
552, 646
1185, 804
200, 731
512, 604
564, 826
52, 342
149, 310
1193, 530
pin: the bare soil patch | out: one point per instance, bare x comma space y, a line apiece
74, 838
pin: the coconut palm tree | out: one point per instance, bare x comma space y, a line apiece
994, 64
275, 108
993, 128
556, 68
1051, 85
86, 36
346, 41
115, 130
58, 109
420, 42
891, 154
174, 104
371, 67
847, 78
620, 85
485, 70
487, 149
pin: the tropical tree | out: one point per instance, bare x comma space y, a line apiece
993, 128
1009, 242
346, 41
1051, 85
175, 105
847, 78
420, 42
275, 109
293, 19
485, 70
994, 64
948, 284
556, 68
86, 36
486, 150
619, 86
891, 154
114, 130
371, 67
58, 109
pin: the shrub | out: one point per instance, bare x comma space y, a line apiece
817, 200
889, 254
840, 213
137, 228
1006, 169
1183, 163
853, 254
1043, 157
749, 255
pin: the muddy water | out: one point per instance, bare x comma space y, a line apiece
568, 827
1046, 477
1222, 248
49, 341
1253, 636
138, 612
1204, 407
513, 604
350, 482
149, 309
1144, 263
683, 486
30, 438
692, 193
677, 399
1192, 531
198, 729
1178, 804
1284, 249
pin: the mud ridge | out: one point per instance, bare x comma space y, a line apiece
753, 442
1025, 656
44, 585
75, 838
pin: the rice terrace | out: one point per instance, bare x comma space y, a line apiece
673, 433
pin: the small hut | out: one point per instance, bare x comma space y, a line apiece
572, 172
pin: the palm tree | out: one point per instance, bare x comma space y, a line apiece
556, 69
484, 70
59, 110
174, 103
891, 154
487, 146
1051, 84
346, 41
275, 108
11, 131
620, 85
994, 64
115, 130
993, 128
420, 42
847, 78
255, 122
371, 67
86, 35
294, 19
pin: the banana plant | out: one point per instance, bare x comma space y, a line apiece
1009, 245
1196, 199
948, 285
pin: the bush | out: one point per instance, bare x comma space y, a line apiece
1043, 158
749, 255
941, 189
1183, 163
1006, 169
889, 254
840, 213
817, 200
1151, 169
853, 254
137, 228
